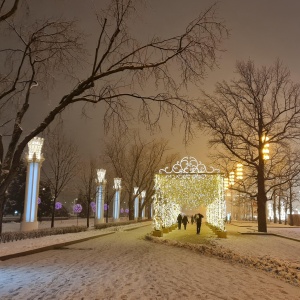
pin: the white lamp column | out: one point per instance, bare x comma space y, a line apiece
116, 208
136, 203
101, 184
34, 163
143, 195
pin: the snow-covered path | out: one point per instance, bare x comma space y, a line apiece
125, 266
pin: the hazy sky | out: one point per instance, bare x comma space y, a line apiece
262, 30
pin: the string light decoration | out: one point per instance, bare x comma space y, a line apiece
188, 183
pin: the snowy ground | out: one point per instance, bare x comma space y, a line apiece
123, 265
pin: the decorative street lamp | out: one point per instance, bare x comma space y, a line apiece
143, 195
34, 162
265, 149
116, 208
101, 184
239, 177
226, 183
136, 202
239, 171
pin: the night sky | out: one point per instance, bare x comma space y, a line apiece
262, 30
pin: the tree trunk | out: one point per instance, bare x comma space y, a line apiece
2, 202
261, 199
88, 215
291, 207
53, 212
279, 211
274, 209
131, 208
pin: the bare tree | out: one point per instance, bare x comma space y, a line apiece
61, 164
136, 161
261, 102
120, 69
87, 184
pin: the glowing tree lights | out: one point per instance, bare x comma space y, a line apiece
58, 205
136, 202
77, 208
34, 162
116, 208
101, 184
188, 183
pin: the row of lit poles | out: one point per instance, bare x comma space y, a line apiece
116, 205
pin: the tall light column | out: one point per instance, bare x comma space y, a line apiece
136, 202
101, 184
143, 195
34, 162
116, 208
239, 177
231, 183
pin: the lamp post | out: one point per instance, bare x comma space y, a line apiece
116, 208
239, 177
101, 184
231, 183
136, 202
226, 184
34, 162
266, 146
143, 195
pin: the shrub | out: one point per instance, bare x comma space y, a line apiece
16, 236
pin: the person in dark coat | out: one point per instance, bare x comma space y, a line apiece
185, 220
179, 220
192, 220
198, 219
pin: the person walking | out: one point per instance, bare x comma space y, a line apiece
198, 219
192, 219
179, 220
185, 220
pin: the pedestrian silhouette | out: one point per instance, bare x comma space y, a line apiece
185, 221
192, 220
179, 220
198, 219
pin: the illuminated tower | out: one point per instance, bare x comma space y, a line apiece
101, 184
136, 202
34, 163
143, 195
116, 211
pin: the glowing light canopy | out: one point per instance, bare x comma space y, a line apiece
188, 183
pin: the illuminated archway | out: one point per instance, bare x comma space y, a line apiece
188, 183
